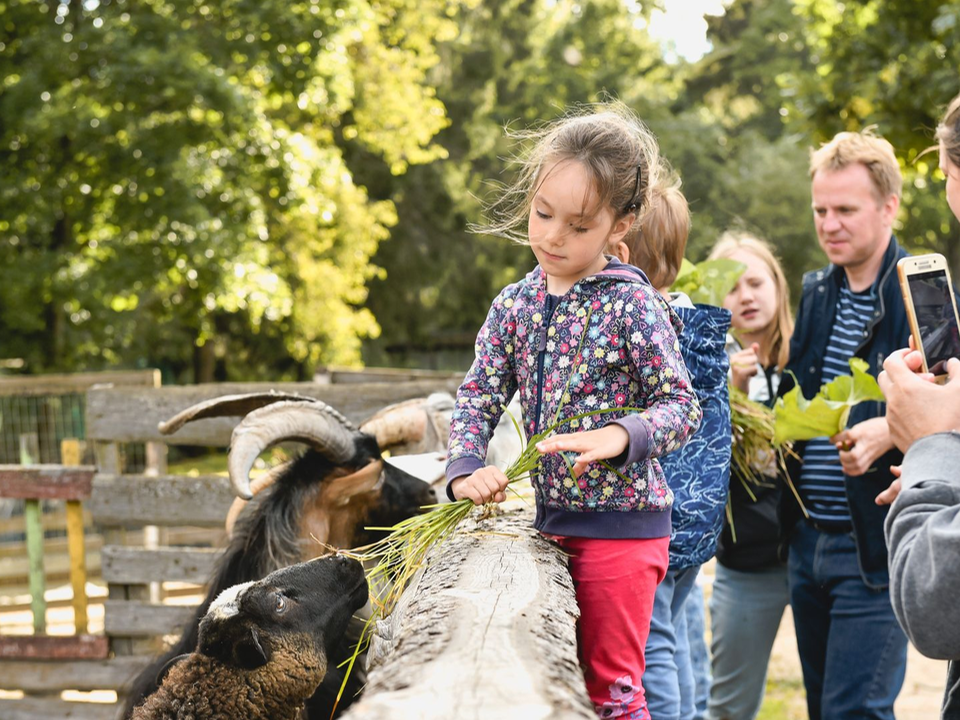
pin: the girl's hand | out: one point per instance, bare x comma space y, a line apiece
607, 442
743, 366
484, 485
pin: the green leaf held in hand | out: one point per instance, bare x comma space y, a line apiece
826, 414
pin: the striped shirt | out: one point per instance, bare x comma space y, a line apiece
821, 478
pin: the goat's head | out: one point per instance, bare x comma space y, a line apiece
359, 488
287, 624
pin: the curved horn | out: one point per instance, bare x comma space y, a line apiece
404, 422
226, 406
314, 423
257, 486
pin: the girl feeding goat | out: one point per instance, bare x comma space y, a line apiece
584, 332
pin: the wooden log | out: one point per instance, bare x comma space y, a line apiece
130, 618
53, 647
165, 500
56, 675
34, 709
132, 414
75, 382
489, 625
46, 482
137, 566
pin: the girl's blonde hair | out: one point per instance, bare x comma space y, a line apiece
948, 131
781, 329
657, 243
619, 153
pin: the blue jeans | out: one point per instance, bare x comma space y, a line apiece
668, 677
745, 613
699, 658
853, 652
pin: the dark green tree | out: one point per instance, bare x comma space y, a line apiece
171, 187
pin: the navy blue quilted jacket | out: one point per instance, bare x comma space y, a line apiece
699, 472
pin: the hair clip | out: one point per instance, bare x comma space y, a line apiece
634, 201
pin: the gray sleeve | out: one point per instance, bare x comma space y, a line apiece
923, 537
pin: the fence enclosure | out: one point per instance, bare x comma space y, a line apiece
134, 559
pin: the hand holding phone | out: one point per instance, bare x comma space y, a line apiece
931, 309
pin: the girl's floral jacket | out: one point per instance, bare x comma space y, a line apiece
609, 342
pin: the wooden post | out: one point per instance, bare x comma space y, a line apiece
156, 465
34, 530
70, 455
32, 517
29, 448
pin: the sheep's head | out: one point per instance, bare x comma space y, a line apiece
282, 629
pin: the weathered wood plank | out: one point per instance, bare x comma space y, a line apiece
36, 709
46, 482
130, 618
487, 630
135, 566
75, 382
132, 414
53, 675
164, 500
53, 647
38, 606
342, 375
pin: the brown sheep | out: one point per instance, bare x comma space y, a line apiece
264, 646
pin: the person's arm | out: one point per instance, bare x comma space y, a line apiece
923, 536
672, 412
486, 389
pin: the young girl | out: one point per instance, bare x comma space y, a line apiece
584, 332
750, 587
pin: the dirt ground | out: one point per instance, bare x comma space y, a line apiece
919, 699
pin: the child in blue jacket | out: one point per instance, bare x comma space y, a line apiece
698, 474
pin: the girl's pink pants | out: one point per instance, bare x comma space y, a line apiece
615, 581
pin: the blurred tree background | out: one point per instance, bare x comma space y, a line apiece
247, 190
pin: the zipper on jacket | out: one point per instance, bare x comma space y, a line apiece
549, 308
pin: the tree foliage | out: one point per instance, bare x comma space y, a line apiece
245, 190
171, 177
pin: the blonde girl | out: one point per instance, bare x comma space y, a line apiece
750, 587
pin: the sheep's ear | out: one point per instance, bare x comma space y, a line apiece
233, 644
248, 653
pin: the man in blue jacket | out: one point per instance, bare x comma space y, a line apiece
852, 650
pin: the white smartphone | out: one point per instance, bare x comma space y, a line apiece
931, 309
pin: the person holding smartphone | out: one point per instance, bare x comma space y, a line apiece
852, 650
923, 527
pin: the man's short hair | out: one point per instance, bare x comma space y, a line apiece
867, 149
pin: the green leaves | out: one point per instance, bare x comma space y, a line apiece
826, 414
708, 282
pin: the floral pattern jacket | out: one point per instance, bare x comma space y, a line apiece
610, 343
